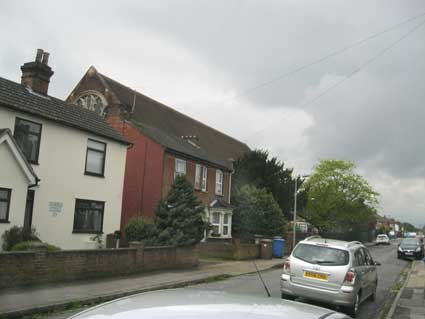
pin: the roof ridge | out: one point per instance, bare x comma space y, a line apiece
172, 109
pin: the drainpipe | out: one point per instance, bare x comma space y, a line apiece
36, 183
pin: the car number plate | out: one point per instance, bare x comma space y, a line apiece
409, 253
315, 275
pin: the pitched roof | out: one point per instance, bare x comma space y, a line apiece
26, 166
17, 97
167, 126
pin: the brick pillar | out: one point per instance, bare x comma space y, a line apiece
140, 249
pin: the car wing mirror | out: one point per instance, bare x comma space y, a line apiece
377, 263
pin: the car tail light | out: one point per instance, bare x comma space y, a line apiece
287, 266
350, 277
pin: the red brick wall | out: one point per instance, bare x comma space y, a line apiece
205, 197
143, 173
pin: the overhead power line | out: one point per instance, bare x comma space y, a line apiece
351, 74
324, 58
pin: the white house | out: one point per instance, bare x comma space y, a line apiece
61, 166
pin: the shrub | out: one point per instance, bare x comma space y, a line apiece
28, 245
139, 229
16, 234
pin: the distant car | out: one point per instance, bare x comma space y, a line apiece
382, 240
410, 247
410, 235
331, 271
193, 303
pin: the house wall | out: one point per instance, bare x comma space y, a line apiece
12, 177
143, 173
61, 168
205, 197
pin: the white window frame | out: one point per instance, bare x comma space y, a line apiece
220, 225
176, 165
218, 182
198, 175
216, 224
204, 181
228, 224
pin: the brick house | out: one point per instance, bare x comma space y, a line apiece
61, 167
165, 143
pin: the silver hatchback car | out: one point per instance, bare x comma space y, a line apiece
331, 271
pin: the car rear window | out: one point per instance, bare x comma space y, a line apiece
322, 255
410, 241
382, 236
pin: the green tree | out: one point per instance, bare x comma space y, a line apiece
340, 200
257, 169
256, 212
179, 217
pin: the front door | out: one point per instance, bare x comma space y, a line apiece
28, 209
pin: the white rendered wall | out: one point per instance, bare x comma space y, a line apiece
12, 177
61, 167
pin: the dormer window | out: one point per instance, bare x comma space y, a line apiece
92, 102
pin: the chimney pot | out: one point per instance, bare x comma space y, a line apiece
45, 58
39, 55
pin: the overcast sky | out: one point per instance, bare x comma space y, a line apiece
205, 58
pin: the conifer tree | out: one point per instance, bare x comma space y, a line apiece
179, 216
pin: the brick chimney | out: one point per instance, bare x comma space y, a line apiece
36, 75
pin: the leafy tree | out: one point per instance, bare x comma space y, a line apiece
179, 217
257, 169
256, 212
340, 200
409, 227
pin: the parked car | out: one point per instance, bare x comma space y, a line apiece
331, 271
382, 240
410, 247
193, 303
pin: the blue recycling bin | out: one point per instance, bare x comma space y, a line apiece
278, 247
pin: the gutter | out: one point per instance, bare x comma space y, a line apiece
36, 183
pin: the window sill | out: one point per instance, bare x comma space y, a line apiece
94, 174
4, 221
87, 232
34, 163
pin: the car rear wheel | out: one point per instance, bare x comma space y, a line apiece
287, 297
354, 309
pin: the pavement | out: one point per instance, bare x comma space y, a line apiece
19, 302
410, 302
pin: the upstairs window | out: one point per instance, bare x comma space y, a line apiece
201, 173
95, 158
204, 178
198, 173
180, 167
27, 135
88, 217
219, 182
4, 204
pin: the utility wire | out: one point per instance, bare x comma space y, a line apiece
326, 57
354, 72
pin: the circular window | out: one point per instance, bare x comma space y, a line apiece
92, 102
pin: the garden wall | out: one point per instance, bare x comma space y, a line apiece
229, 250
35, 267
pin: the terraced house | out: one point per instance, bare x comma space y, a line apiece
165, 143
61, 166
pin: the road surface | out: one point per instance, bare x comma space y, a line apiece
388, 273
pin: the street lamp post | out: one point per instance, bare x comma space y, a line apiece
294, 237
294, 228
